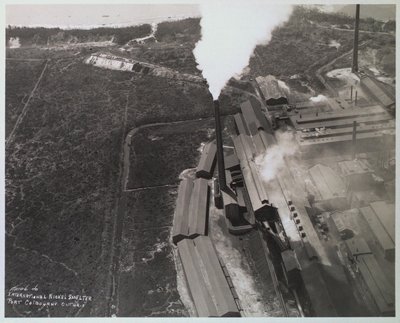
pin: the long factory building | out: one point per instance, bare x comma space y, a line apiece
334, 129
207, 278
305, 259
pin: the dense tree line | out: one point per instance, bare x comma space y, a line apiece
301, 13
42, 36
186, 30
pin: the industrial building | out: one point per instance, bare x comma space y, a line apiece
208, 284
333, 131
329, 190
324, 215
380, 218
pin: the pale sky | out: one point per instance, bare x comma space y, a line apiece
95, 15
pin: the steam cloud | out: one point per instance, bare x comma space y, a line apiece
230, 32
273, 161
318, 98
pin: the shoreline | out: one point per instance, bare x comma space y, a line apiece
105, 25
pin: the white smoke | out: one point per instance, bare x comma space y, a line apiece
230, 32
273, 161
318, 98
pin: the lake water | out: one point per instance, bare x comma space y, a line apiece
88, 16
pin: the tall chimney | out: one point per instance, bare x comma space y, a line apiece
220, 149
354, 68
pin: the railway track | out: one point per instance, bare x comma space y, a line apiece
273, 274
275, 281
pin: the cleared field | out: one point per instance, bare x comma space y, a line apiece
147, 278
61, 179
62, 173
18, 89
159, 154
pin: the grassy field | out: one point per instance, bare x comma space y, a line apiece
147, 283
61, 178
18, 89
63, 165
159, 154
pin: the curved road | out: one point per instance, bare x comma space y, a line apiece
113, 283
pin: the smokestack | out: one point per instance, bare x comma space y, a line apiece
354, 144
220, 151
354, 68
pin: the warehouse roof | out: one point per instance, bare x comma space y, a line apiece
327, 182
255, 188
240, 125
207, 162
198, 208
386, 214
206, 279
180, 229
250, 118
377, 228
253, 117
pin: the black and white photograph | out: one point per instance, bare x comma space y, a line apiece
211, 159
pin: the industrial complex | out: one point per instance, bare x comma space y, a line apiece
326, 214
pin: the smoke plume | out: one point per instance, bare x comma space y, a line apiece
230, 32
318, 98
273, 161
